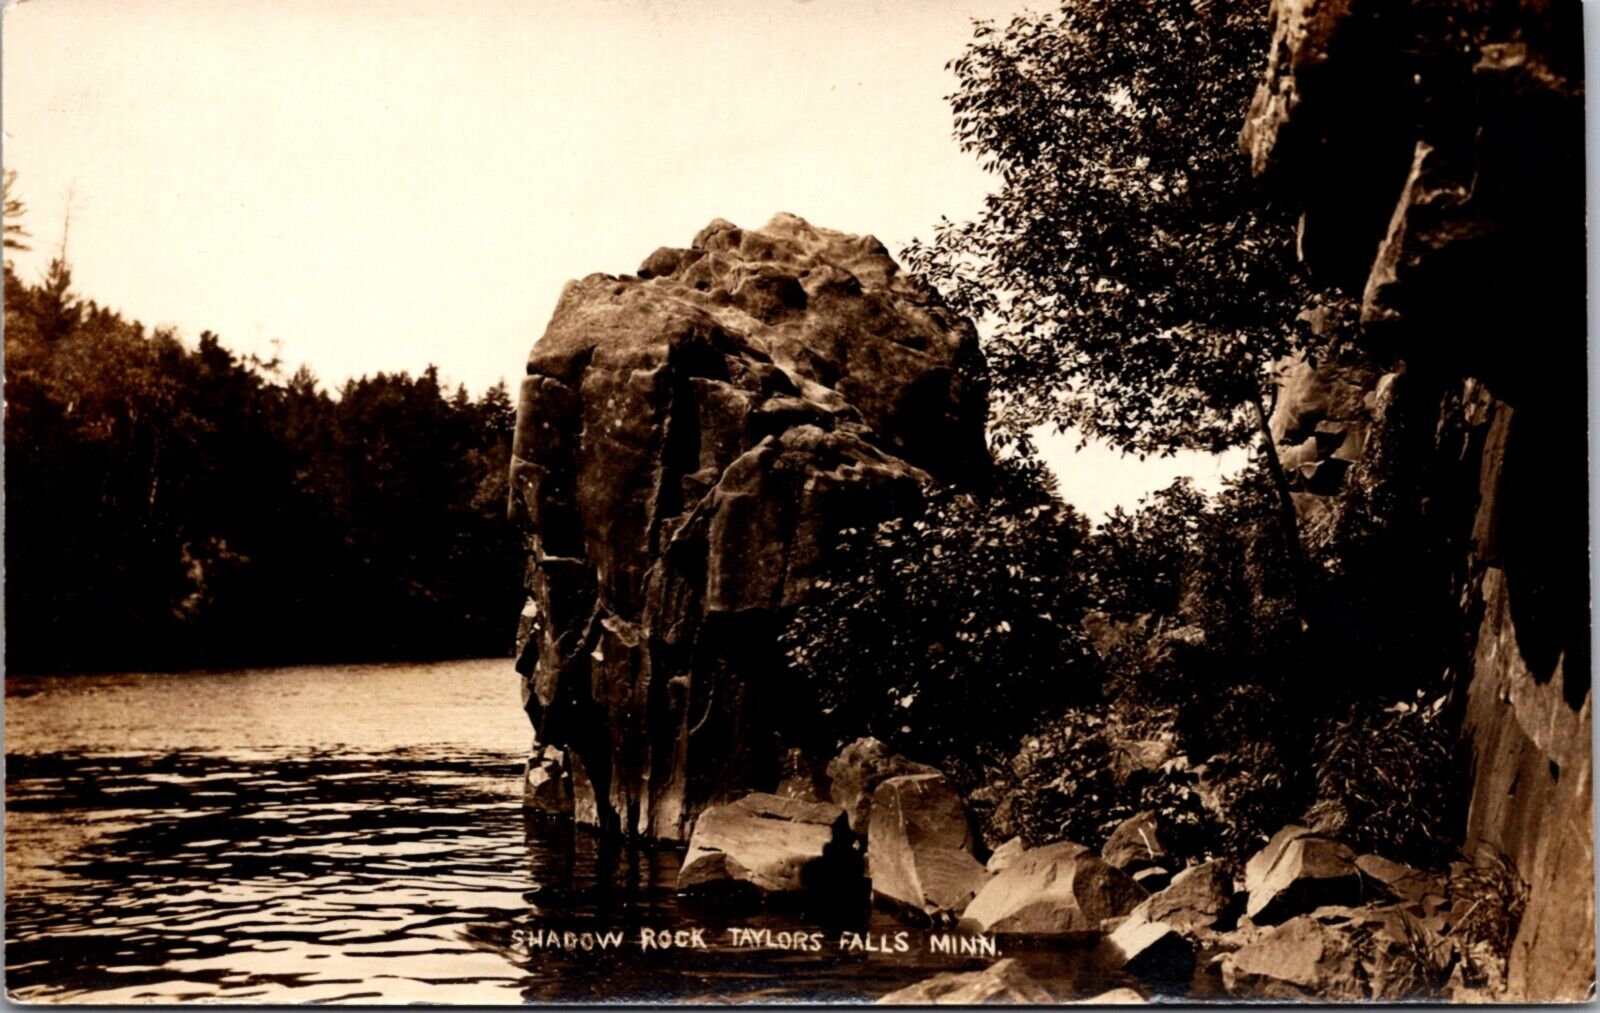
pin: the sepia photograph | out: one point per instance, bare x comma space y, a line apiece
796, 502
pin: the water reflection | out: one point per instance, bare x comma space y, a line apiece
413, 876
251, 837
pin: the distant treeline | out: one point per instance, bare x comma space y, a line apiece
172, 507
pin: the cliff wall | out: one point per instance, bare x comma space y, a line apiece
1436, 152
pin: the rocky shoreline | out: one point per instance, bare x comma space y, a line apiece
1306, 917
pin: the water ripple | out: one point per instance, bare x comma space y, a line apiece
335, 872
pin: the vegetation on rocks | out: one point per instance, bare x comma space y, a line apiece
1388, 779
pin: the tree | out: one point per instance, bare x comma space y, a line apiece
1137, 287
16, 234
166, 504
57, 311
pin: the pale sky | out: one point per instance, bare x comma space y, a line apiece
381, 185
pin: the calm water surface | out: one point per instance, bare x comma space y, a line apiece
351, 833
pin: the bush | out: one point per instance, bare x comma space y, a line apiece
1491, 899
1139, 559
1064, 783
1256, 789
1059, 785
1393, 781
950, 634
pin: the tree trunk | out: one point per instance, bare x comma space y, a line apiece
1288, 520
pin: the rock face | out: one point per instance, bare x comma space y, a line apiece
919, 847
1059, 889
1436, 152
689, 442
771, 844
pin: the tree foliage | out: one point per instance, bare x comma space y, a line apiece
1138, 559
949, 634
1136, 287
175, 506
16, 233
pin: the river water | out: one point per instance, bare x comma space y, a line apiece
355, 834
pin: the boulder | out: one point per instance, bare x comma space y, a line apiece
919, 847
1301, 959
1402, 882
1058, 889
545, 786
1153, 952
1005, 854
1136, 844
771, 844
689, 443
1004, 981
854, 775
1341, 954
1298, 871
1261, 862
1198, 898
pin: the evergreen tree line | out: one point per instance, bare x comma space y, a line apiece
175, 507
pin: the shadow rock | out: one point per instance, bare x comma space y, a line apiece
689, 443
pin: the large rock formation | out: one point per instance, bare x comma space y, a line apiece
1436, 150
690, 440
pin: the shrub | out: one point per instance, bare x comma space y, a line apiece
1059, 785
950, 634
1491, 899
1064, 784
1392, 780
1255, 789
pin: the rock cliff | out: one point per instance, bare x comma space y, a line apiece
689, 442
1436, 151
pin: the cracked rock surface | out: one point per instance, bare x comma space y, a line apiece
690, 440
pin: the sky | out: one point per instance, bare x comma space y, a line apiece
382, 185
